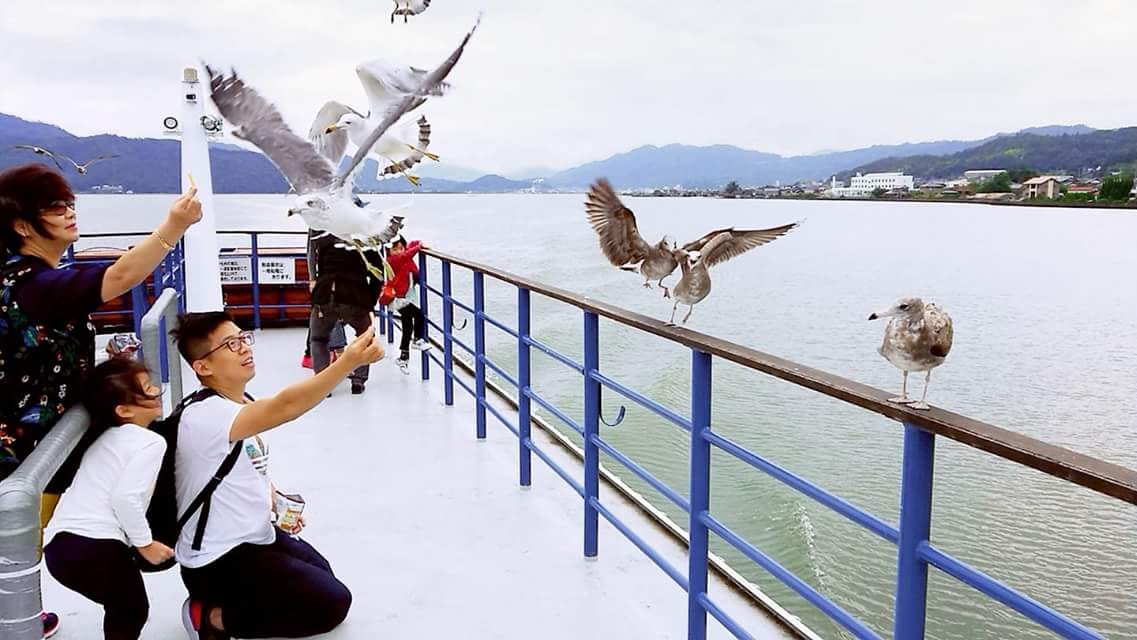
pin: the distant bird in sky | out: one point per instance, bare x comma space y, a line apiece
622, 244
407, 8
55, 156
918, 338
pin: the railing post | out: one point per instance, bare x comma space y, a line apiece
256, 280
447, 336
382, 319
138, 306
591, 432
422, 303
388, 317
700, 493
180, 275
915, 528
524, 417
480, 352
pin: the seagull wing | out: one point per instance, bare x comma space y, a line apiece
100, 159
620, 239
260, 123
332, 145
43, 152
729, 243
429, 84
938, 323
386, 84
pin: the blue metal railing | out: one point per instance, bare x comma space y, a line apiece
914, 551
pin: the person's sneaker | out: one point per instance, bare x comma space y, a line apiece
306, 361
356, 387
50, 623
404, 366
420, 345
196, 626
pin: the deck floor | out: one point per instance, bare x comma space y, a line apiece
429, 529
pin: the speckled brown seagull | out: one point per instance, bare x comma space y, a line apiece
918, 338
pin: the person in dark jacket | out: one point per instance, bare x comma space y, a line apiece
345, 291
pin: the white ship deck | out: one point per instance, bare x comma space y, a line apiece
430, 531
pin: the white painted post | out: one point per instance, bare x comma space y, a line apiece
202, 272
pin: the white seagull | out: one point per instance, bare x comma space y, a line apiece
55, 156
408, 8
385, 84
323, 199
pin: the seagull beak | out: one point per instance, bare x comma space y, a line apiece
873, 317
331, 129
292, 212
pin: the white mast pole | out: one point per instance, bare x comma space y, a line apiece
202, 271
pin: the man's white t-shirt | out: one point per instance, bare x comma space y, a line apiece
241, 509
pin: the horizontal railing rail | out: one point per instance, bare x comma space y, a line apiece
911, 536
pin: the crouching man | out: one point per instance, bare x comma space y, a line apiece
246, 579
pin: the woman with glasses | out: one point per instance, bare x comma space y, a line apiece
47, 342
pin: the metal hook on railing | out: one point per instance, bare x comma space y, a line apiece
456, 327
619, 417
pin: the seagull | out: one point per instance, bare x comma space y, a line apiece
408, 8
697, 257
323, 198
622, 244
385, 84
918, 338
55, 156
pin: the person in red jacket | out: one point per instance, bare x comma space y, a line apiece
402, 260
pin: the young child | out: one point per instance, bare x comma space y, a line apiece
101, 519
402, 261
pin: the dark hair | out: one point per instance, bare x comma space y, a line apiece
399, 239
192, 333
111, 385
25, 191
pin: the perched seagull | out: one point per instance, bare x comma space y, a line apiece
323, 199
385, 84
55, 156
622, 244
408, 8
918, 338
697, 257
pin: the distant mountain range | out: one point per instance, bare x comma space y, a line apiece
1046, 153
149, 165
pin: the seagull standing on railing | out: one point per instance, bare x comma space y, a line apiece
918, 338
324, 199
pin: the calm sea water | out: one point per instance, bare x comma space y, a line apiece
1044, 304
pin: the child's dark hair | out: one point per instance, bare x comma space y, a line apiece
112, 384
399, 239
192, 333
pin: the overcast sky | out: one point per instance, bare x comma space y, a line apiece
555, 83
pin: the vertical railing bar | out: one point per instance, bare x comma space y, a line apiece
447, 334
700, 497
915, 529
480, 350
524, 415
422, 304
256, 273
591, 431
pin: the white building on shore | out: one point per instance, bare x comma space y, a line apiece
862, 186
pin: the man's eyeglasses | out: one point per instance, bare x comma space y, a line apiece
59, 207
233, 343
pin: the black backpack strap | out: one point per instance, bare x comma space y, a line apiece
204, 498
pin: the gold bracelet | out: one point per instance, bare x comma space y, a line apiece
165, 245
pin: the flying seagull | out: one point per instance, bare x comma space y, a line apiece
918, 338
323, 198
622, 244
408, 8
385, 84
697, 257
55, 156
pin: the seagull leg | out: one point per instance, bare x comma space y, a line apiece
424, 152
415, 180
689, 310
647, 284
666, 291
922, 405
903, 399
675, 306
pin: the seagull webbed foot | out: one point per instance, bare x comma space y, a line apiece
919, 405
901, 400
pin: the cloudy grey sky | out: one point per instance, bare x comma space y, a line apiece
556, 83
